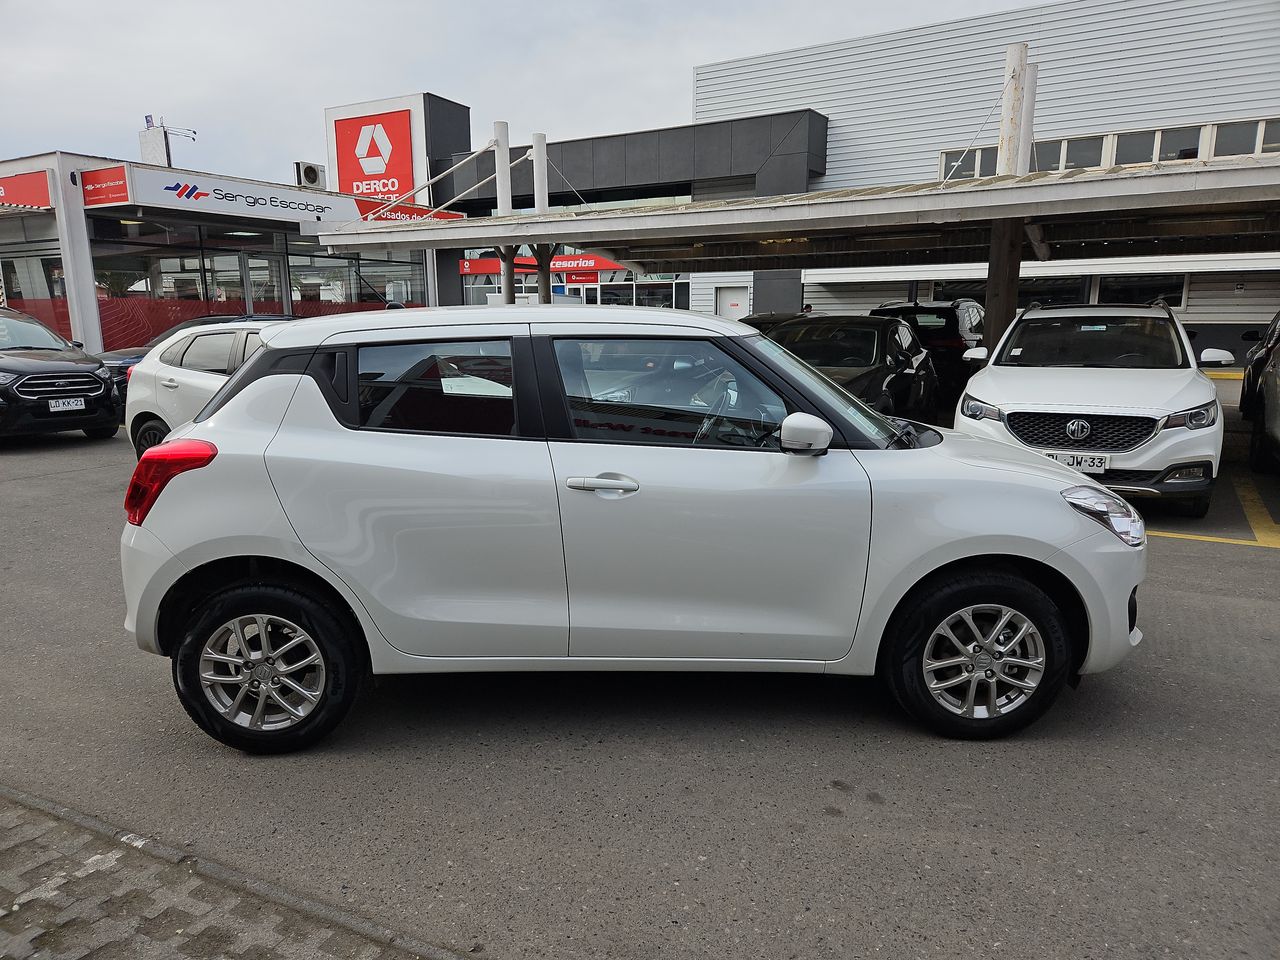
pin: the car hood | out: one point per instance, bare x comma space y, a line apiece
1071, 389
989, 454
47, 361
131, 354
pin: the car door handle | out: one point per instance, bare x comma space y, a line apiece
602, 483
171, 384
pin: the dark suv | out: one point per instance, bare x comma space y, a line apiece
48, 384
1264, 344
947, 330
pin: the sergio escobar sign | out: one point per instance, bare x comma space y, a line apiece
198, 193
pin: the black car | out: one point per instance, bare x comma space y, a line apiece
48, 384
764, 322
947, 329
877, 359
119, 362
1264, 344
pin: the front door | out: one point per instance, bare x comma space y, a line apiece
430, 498
687, 532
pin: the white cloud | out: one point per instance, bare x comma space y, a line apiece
253, 78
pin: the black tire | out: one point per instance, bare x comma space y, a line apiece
908, 634
343, 666
149, 433
1198, 507
102, 433
1262, 458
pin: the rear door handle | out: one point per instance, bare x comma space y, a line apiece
171, 384
602, 483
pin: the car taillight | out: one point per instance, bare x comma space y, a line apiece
158, 466
128, 373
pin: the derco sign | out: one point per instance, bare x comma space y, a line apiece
375, 154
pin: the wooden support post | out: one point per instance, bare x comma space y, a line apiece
1003, 267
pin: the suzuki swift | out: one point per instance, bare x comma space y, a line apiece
572, 488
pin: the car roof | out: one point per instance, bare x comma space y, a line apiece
303, 333
1099, 310
836, 320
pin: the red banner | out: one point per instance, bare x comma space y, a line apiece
561, 264
108, 185
402, 212
25, 190
375, 154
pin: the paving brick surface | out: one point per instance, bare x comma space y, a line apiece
68, 893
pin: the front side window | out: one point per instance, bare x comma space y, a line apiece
1142, 343
438, 387
210, 353
669, 392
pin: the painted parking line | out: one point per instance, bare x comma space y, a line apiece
1225, 374
1266, 532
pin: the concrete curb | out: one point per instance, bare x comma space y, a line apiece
220, 873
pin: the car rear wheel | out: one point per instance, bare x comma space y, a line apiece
1262, 457
266, 669
977, 654
102, 433
150, 433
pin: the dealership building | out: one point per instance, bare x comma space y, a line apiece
110, 251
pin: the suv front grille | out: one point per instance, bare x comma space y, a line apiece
1106, 431
51, 386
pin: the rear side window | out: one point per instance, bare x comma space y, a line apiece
438, 387
210, 353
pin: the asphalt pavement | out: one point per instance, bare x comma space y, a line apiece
641, 816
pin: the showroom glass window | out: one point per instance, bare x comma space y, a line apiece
455, 387
668, 392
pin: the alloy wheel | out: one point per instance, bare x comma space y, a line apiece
984, 661
262, 672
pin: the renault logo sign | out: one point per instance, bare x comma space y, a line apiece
373, 163
1078, 429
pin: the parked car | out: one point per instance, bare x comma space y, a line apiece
533, 488
173, 381
765, 322
1111, 390
121, 361
1255, 360
1264, 441
48, 384
947, 330
877, 359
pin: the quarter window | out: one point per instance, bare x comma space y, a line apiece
251, 344
669, 392
438, 387
210, 353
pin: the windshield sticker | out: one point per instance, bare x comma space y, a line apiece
1099, 326
1015, 351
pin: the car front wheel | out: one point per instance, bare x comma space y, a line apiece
266, 669
978, 654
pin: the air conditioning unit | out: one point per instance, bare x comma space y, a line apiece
309, 175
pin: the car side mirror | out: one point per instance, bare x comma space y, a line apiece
1251, 336
78, 344
805, 435
977, 354
1213, 357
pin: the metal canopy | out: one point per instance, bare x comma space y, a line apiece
1180, 208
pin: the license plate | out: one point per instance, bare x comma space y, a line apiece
67, 403
1085, 463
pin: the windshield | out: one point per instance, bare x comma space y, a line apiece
831, 345
1140, 343
17, 332
855, 413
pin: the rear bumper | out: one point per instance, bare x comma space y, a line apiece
19, 417
147, 569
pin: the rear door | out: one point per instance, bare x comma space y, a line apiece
185, 386
420, 475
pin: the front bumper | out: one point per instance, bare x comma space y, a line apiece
1107, 573
1144, 471
20, 416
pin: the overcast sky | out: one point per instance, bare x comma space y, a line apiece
253, 78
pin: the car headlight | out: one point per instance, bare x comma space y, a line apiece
975, 409
1111, 511
7, 378
103, 372
1197, 418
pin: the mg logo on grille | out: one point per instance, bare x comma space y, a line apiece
1078, 429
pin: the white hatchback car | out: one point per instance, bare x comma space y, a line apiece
174, 381
1110, 390
571, 488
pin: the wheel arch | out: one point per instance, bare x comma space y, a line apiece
199, 583
1052, 581
139, 419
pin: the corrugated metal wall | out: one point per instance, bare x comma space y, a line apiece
702, 288
896, 100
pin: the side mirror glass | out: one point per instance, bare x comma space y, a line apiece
1213, 357
78, 344
976, 353
805, 434
1251, 336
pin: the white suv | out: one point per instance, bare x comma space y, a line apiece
1110, 390
544, 488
